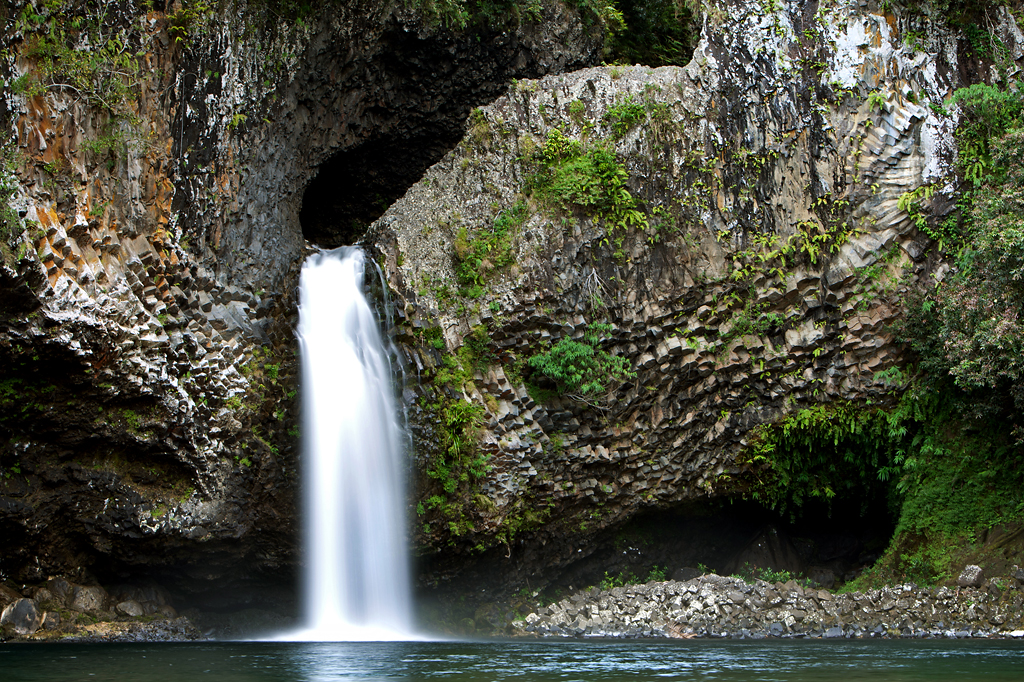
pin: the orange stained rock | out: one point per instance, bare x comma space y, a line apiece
890, 19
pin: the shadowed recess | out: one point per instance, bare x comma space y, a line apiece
354, 187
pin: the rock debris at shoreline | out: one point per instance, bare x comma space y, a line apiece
717, 606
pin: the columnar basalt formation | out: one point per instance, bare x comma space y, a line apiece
753, 270
750, 264
148, 372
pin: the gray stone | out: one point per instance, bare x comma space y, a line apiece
89, 599
62, 590
834, 632
130, 608
23, 615
971, 576
7, 596
51, 620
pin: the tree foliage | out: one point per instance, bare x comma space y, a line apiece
970, 328
656, 32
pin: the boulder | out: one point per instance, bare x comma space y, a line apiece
167, 611
23, 615
971, 576
89, 599
7, 596
51, 620
61, 589
130, 608
44, 596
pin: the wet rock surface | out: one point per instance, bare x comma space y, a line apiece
716, 606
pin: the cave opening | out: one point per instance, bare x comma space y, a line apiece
827, 542
355, 186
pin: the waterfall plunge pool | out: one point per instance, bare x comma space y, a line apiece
536, 661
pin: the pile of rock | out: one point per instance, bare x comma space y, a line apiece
716, 606
61, 609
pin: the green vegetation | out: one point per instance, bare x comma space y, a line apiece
11, 226
133, 420
631, 111
460, 14
625, 114
627, 577
568, 174
460, 459
582, 369
188, 19
754, 319
480, 255
946, 475
655, 32
772, 256
821, 451
752, 573
106, 74
651, 32
457, 461
988, 112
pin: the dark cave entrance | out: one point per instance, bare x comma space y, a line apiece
355, 186
830, 544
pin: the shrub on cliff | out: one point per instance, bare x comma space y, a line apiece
582, 369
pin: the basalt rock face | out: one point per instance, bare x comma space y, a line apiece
765, 256
148, 418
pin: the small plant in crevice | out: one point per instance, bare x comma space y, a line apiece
566, 174
485, 252
657, 574
769, 575
459, 459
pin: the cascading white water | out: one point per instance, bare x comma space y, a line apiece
356, 583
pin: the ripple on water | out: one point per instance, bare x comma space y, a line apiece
564, 661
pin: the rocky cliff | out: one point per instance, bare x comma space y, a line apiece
744, 230
157, 160
727, 240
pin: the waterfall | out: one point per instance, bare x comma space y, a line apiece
356, 581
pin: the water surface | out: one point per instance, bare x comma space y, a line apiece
565, 661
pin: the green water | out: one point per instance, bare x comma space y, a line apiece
845, 661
